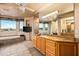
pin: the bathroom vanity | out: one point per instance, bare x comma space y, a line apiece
55, 45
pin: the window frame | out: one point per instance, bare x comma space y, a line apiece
8, 30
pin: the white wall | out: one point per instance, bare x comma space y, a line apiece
77, 23
76, 20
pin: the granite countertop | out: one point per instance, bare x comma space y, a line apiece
59, 38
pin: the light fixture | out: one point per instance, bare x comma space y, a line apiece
23, 7
50, 14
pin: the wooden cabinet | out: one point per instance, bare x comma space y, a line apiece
40, 44
50, 47
53, 47
67, 49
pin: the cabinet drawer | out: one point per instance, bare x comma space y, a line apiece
50, 46
51, 49
49, 53
49, 42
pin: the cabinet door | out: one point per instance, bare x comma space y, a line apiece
67, 49
49, 53
38, 43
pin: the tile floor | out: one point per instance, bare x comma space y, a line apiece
24, 48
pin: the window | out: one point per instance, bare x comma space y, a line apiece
10, 25
41, 26
21, 25
7, 25
46, 26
